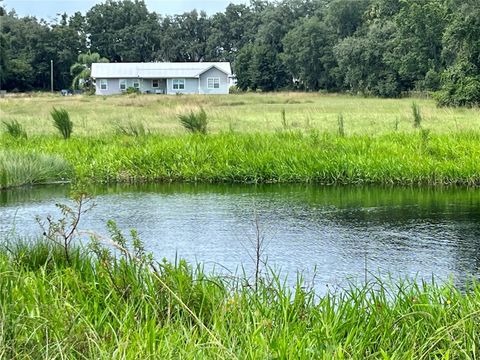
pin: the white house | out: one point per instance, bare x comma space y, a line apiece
163, 77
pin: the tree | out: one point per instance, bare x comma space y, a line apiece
460, 84
123, 30
361, 60
81, 70
308, 54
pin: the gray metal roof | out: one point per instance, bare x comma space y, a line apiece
156, 70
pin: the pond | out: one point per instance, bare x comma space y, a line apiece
332, 235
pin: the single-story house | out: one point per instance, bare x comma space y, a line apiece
163, 77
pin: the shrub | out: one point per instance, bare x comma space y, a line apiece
15, 129
132, 90
460, 86
195, 122
234, 90
61, 120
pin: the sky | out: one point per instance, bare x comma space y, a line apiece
48, 9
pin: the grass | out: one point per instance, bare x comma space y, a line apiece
89, 309
138, 138
28, 168
288, 156
62, 122
97, 115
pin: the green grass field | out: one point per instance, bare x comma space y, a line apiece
95, 115
248, 140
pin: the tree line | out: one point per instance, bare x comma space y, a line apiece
373, 47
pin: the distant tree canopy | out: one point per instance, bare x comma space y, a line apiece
372, 47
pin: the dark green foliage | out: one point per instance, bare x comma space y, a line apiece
308, 54
195, 121
61, 121
132, 90
15, 129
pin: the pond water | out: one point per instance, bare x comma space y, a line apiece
337, 233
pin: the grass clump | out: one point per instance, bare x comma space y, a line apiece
195, 122
15, 129
132, 129
341, 125
62, 122
18, 168
417, 116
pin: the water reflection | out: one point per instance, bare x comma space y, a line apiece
404, 231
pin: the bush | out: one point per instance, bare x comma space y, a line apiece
234, 90
61, 120
460, 86
15, 129
132, 90
195, 122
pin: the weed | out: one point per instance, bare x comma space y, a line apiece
15, 129
284, 119
61, 121
417, 116
195, 122
132, 129
341, 125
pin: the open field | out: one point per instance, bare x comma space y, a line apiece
95, 115
118, 309
247, 140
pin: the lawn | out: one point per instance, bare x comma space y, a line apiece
96, 115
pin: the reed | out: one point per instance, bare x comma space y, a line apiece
422, 158
86, 308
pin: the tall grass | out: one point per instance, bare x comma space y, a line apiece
195, 121
61, 121
15, 129
417, 116
19, 168
288, 156
86, 308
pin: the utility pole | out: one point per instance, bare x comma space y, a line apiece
51, 75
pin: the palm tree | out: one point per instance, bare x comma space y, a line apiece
82, 68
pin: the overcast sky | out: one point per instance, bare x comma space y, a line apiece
48, 9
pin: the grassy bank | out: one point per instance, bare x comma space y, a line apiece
287, 156
97, 115
118, 310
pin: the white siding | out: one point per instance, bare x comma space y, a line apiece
112, 87
214, 73
191, 87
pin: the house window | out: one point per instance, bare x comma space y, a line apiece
155, 83
136, 84
123, 84
178, 84
103, 84
213, 83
